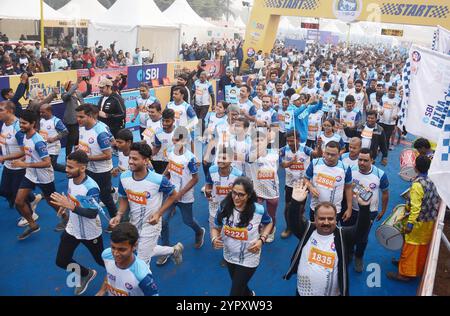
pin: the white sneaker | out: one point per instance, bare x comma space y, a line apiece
34, 204
271, 236
178, 253
23, 222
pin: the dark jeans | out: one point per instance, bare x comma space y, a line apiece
388, 130
201, 112
56, 166
287, 199
104, 182
282, 137
72, 138
240, 276
361, 244
159, 166
188, 219
69, 244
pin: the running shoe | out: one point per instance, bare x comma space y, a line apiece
271, 236
61, 225
177, 256
28, 232
23, 221
162, 260
200, 239
84, 282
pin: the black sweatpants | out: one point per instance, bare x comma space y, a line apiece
69, 244
388, 130
72, 138
201, 112
104, 182
240, 276
287, 200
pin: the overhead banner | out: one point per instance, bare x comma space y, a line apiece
299, 45
265, 16
99, 74
427, 83
145, 73
45, 81
84, 24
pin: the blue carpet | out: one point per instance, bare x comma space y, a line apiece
28, 267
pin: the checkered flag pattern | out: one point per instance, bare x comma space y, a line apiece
310, 4
434, 45
406, 92
445, 155
440, 12
389, 8
271, 3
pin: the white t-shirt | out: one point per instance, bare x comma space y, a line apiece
375, 181
84, 195
11, 141
366, 137
49, 129
240, 150
163, 140
314, 125
236, 240
35, 151
317, 273
264, 173
390, 110
150, 130
348, 161
142, 105
123, 162
181, 169
298, 169
94, 141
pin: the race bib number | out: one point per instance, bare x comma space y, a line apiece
387, 106
280, 117
350, 124
176, 168
264, 174
177, 115
116, 292
199, 92
325, 181
84, 147
222, 190
137, 197
44, 134
367, 134
297, 166
322, 258
149, 132
236, 233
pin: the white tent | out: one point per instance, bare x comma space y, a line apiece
137, 23
27, 10
83, 9
191, 24
20, 17
239, 23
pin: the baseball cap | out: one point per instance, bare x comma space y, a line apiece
104, 83
295, 97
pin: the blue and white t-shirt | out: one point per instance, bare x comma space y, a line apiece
144, 196
35, 151
329, 181
184, 114
163, 141
236, 240
142, 105
203, 91
11, 141
181, 169
84, 195
221, 186
335, 137
136, 280
351, 118
375, 181
94, 141
49, 129
297, 170
348, 161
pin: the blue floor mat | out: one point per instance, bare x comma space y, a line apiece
28, 267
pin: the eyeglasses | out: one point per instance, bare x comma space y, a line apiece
238, 194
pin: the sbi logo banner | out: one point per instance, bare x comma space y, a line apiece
145, 73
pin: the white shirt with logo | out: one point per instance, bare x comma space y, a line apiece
94, 141
181, 169
317, 273
35, 151
11, 141
375, 181
49, 129
264, 173
296, 171
162, 140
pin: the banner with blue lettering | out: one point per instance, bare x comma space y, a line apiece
299, 45
427, 87
145, 73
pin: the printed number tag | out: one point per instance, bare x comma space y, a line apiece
116, 292
222, 191
137, 197
176, 168
298, 166
367, 134
387, 106
264, 174
325, 181
322, 258
84, 147
236, 233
